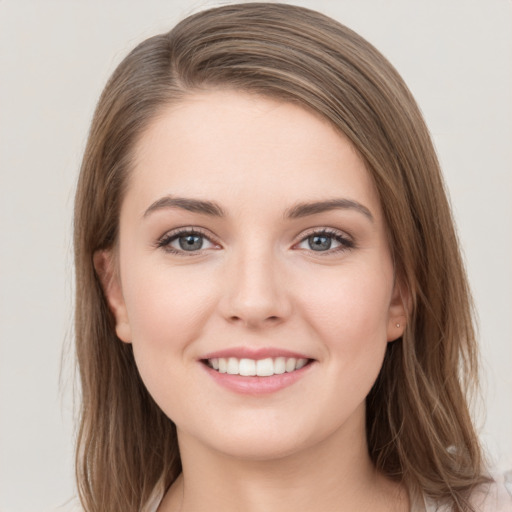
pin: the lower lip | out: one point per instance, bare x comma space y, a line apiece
257, 385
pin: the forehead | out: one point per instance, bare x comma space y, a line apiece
226, 142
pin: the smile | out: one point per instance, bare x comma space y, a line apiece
257, 371
256, 367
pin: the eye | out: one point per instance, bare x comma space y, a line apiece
319, 242
186, 241
189, 242
325, 241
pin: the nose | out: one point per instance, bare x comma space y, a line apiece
255, 291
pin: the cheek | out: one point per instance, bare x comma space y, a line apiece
167, 311
354, 303
351, 319
166, 305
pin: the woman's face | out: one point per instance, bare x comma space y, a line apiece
252, 241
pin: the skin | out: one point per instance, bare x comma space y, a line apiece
257, 282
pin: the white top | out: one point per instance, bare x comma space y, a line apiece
495, 497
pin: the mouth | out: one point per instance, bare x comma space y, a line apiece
266, 367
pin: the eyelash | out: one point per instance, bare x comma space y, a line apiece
165, 241
345, 242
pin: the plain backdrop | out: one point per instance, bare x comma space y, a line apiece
55, 56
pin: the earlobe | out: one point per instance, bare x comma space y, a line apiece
396, 328
105, 266
398, 312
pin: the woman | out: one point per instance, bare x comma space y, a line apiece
272, 310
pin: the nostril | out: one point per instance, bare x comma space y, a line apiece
252, 321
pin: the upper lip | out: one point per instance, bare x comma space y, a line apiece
254, 353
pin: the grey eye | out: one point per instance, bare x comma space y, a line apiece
319, 242
186, 241
325, 241
190, 242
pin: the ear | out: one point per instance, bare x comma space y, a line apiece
106, 268
398, 311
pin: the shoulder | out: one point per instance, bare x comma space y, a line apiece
495, 496
72, 505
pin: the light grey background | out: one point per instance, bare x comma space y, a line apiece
55, 56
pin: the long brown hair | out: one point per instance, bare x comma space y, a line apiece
419, 429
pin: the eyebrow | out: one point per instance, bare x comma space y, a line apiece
313, 208
295, 212
191, 205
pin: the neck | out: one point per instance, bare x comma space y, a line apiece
336, 474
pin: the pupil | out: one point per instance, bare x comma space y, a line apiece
319, 242
191, 242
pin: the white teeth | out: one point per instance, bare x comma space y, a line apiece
265, 367
279, 365
247, 367
232, 368
261, 367
290, 364
300, 363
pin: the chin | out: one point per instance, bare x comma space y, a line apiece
260, 447
265, 439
